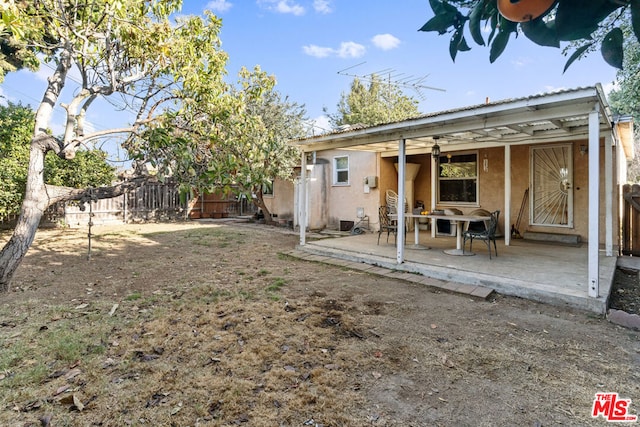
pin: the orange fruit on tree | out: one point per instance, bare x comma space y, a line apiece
524, 10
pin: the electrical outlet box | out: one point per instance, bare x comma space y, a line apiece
371, 181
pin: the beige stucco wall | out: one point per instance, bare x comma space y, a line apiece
335, 203
343, 200
491, 189
281, 202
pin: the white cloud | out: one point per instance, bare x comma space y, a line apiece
385, 41
218, 5
522, 61
346, 50
283, 6
322, 6
317, 51
351, 50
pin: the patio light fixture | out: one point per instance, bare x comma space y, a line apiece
435, 150
583, 150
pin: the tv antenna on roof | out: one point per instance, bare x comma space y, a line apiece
395, 78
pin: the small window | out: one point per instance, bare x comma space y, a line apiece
267, 189
341, 170
458, 178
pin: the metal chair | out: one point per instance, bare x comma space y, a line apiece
488, 235
386, 223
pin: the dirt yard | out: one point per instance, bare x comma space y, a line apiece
212, 325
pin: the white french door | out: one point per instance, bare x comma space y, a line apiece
552, 185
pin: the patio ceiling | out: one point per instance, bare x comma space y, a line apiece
552, 117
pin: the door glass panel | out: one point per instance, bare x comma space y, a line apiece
552, 196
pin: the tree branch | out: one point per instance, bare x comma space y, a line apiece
62, 194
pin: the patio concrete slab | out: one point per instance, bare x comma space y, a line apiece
547, 273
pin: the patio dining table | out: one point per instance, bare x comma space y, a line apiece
459, 220
416, 229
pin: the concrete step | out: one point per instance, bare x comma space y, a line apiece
563, 239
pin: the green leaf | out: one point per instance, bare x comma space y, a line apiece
541, 32
457, 43
440, 8
578, 19
494, 27
611, 48
475, 17
635, 18
439, 23
498, 45
576, 55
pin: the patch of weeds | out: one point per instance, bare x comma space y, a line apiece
224, 244
134, 296
276, 285
246, 295
215, 296
263, 272
65, 345
285, 257
25, 376
12, 355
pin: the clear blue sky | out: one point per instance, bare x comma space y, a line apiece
305, 43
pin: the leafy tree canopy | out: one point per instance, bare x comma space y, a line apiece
88, 168
585, 24
240, 154
625, 98
373, 103
169, 72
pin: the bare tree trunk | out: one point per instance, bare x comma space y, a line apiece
34, 204
259, 201
38, 197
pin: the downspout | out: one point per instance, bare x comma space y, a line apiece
402, 160
594, 202
302, 206
608, 195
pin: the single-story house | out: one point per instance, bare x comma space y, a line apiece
552, 163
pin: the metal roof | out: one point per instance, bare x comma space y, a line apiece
550, 117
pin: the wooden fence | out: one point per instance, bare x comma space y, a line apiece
150, 202
631, 220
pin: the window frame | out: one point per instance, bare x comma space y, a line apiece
444, 159
336, 171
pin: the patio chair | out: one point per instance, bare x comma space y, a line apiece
478, 225
386, 224
488, 235
391, 198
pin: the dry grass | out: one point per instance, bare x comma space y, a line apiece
185, 325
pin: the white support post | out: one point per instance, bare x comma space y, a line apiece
507, 195
594, 202
402, 161
434, 192
302, 205
608, 195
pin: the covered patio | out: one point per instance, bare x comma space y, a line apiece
566, 147
554, 274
